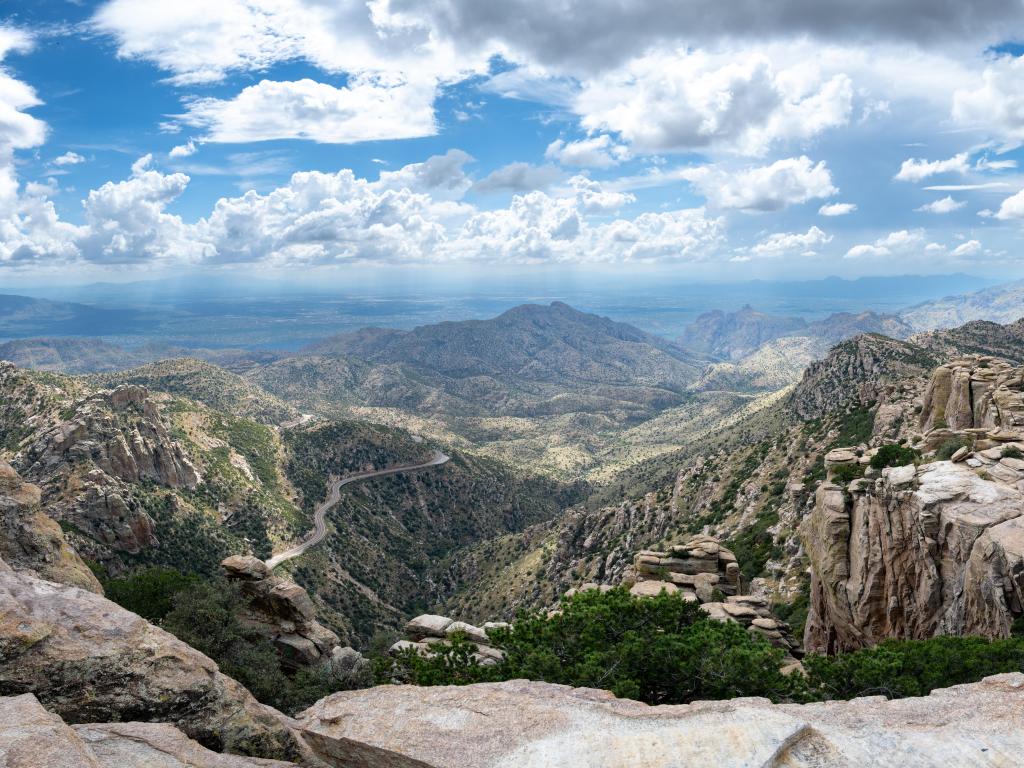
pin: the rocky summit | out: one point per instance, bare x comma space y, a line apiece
539, 725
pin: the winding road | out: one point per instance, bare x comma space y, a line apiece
320, 525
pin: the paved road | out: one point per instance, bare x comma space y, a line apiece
334, 496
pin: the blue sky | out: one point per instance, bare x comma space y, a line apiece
795, 139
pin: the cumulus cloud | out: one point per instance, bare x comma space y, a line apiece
518, 177
837, 209
187, 149
970, 248
895, 243
1012, 207
443, 176
368, 108
772, 187
943, 205
784, 243
996, 104
691, 100
597, 152
68, 158
917, 170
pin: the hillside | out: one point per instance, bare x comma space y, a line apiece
999, 304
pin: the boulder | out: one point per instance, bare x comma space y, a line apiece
540, 725
652, 588
427, 625
89, 660
31, 737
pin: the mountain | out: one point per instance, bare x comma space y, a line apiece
734, 335
999, 304
547, 387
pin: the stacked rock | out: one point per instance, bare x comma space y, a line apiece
282, 611
697, 567
704, 571
429, 630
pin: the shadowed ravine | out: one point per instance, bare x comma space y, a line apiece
319, 524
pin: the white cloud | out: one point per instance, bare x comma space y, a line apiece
597, 152
895, 243
1012, 207
518, 177
368, 108
737, 101
127, 223
837, 209
918, 170
772, 187
943, 205
183, 150
68, 158
996, 104
970, 248
443, 176
784, 243
966, 187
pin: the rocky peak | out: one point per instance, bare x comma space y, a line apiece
977, 397
32, 541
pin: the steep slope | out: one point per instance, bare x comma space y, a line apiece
206, 383
1000, 304
735, 335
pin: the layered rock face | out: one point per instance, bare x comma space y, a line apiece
918, 551
31, 737
701, 569
88, 660
424, 633
977, 397
83, 463
539, 725
33, 541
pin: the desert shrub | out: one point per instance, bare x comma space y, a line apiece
899, 668
660, 650
893, 455
149, 592
842, 474
945, 451
1012, 452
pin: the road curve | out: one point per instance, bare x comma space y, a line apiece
334, 496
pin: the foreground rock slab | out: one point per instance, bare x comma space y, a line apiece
539, 725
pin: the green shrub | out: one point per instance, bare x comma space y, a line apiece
843, 474
893, 455
899, 668
945, 451
661, 650
149, 592
1012, 452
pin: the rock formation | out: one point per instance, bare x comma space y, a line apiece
88, 660
281, 611
701, 569
425, 632
538, 725
83, 463
31, 737
917, 551
33, 541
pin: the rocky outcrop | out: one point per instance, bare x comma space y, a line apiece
702, 570
916, 552
31, 737
538, 725
424, 633
975, 397
88, 660
85, 463
32, 541
699, 567
282, 611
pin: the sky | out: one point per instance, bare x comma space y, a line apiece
706, 139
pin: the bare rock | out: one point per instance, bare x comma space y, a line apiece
427, 625
89, 660
31, 540
31, 737
539, 725
652, 588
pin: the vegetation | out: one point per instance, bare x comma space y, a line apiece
665, 650
945, 451
843, 474
1012, 452
149, 592
893, 455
